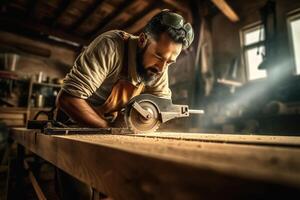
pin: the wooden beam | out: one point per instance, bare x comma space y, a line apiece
226, 10
141, 14
60, 10
89, 11
38, 30
121, 8
142, 167
138, 26
263, 140
25, 48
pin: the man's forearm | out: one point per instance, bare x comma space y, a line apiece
79, 110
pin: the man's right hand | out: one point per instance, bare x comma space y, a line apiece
80, 111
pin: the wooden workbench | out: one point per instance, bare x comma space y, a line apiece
174, 165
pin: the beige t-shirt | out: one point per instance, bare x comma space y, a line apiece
99, 66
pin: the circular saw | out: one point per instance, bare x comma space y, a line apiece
142, 116
145, 113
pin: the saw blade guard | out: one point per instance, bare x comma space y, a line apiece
160, 110
142, 116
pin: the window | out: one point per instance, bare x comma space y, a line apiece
253, 51
294, 29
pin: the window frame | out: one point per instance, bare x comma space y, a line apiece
247, 29
292, 16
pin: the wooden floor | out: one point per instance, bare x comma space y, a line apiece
174, 165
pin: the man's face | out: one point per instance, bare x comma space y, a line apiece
158, 55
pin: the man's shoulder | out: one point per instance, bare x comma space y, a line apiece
107, 41
115, 35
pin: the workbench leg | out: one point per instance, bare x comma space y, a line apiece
20, 172
6, 160
15, 176
6, 154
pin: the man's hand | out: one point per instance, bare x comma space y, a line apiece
79, 110
119, 121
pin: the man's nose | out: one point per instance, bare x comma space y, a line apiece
161, 65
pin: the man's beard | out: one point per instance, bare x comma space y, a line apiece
148, 75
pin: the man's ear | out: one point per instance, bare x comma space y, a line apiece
142, 41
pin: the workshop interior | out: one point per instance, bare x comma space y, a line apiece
230, 131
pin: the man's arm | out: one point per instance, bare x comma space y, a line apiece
90, 69
80, 110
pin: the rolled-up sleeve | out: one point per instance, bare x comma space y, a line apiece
161, 87
91, 68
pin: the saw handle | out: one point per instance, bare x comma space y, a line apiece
191, 111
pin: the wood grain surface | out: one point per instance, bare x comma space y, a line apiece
174, 165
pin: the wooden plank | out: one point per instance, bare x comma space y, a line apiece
13, 109
134, 167
35, 185
229, 138
12, 116
226, 10
13, 122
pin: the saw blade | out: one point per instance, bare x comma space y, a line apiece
139, 124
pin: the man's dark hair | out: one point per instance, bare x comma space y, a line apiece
173, 24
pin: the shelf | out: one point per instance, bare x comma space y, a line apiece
38, 109
9, 75
47, 84
13, 109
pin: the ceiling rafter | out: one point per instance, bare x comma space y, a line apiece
60, 10
121, 8
153, 4
169, 4
89, 11
142, 13
226, 10
139, 25
14, 24
28, 17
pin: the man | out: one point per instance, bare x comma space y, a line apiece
115, 67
